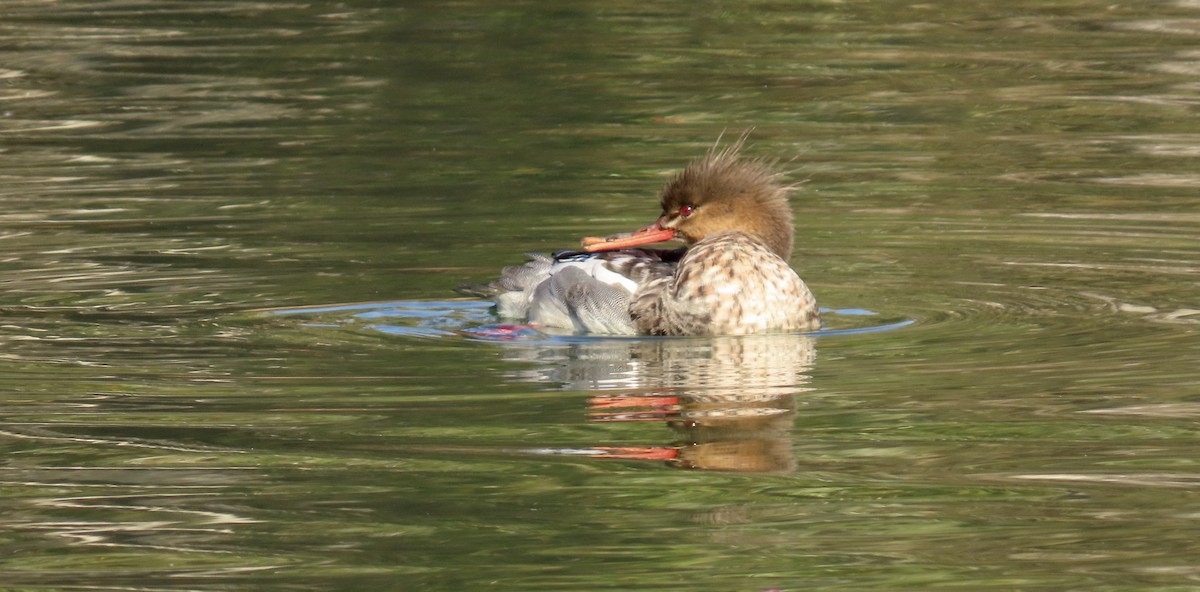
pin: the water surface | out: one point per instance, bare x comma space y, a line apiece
1009, 188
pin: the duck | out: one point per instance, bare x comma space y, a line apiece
731, 277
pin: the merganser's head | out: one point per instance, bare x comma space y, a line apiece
719, 192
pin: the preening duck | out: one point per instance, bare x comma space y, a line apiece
732, 277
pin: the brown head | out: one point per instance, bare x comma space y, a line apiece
722, 192
719, 192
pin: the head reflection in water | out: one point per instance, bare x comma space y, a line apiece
730, 400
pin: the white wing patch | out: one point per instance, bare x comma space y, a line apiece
597, 269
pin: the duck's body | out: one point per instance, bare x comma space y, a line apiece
733, 279
728, 283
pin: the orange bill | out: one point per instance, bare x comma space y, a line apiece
648, 235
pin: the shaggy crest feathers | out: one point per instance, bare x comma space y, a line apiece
729, 193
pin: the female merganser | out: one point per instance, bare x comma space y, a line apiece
732, 279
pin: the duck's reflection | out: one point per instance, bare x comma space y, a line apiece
730, 400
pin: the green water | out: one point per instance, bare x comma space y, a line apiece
1009, 188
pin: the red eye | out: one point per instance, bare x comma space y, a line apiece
686, 211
